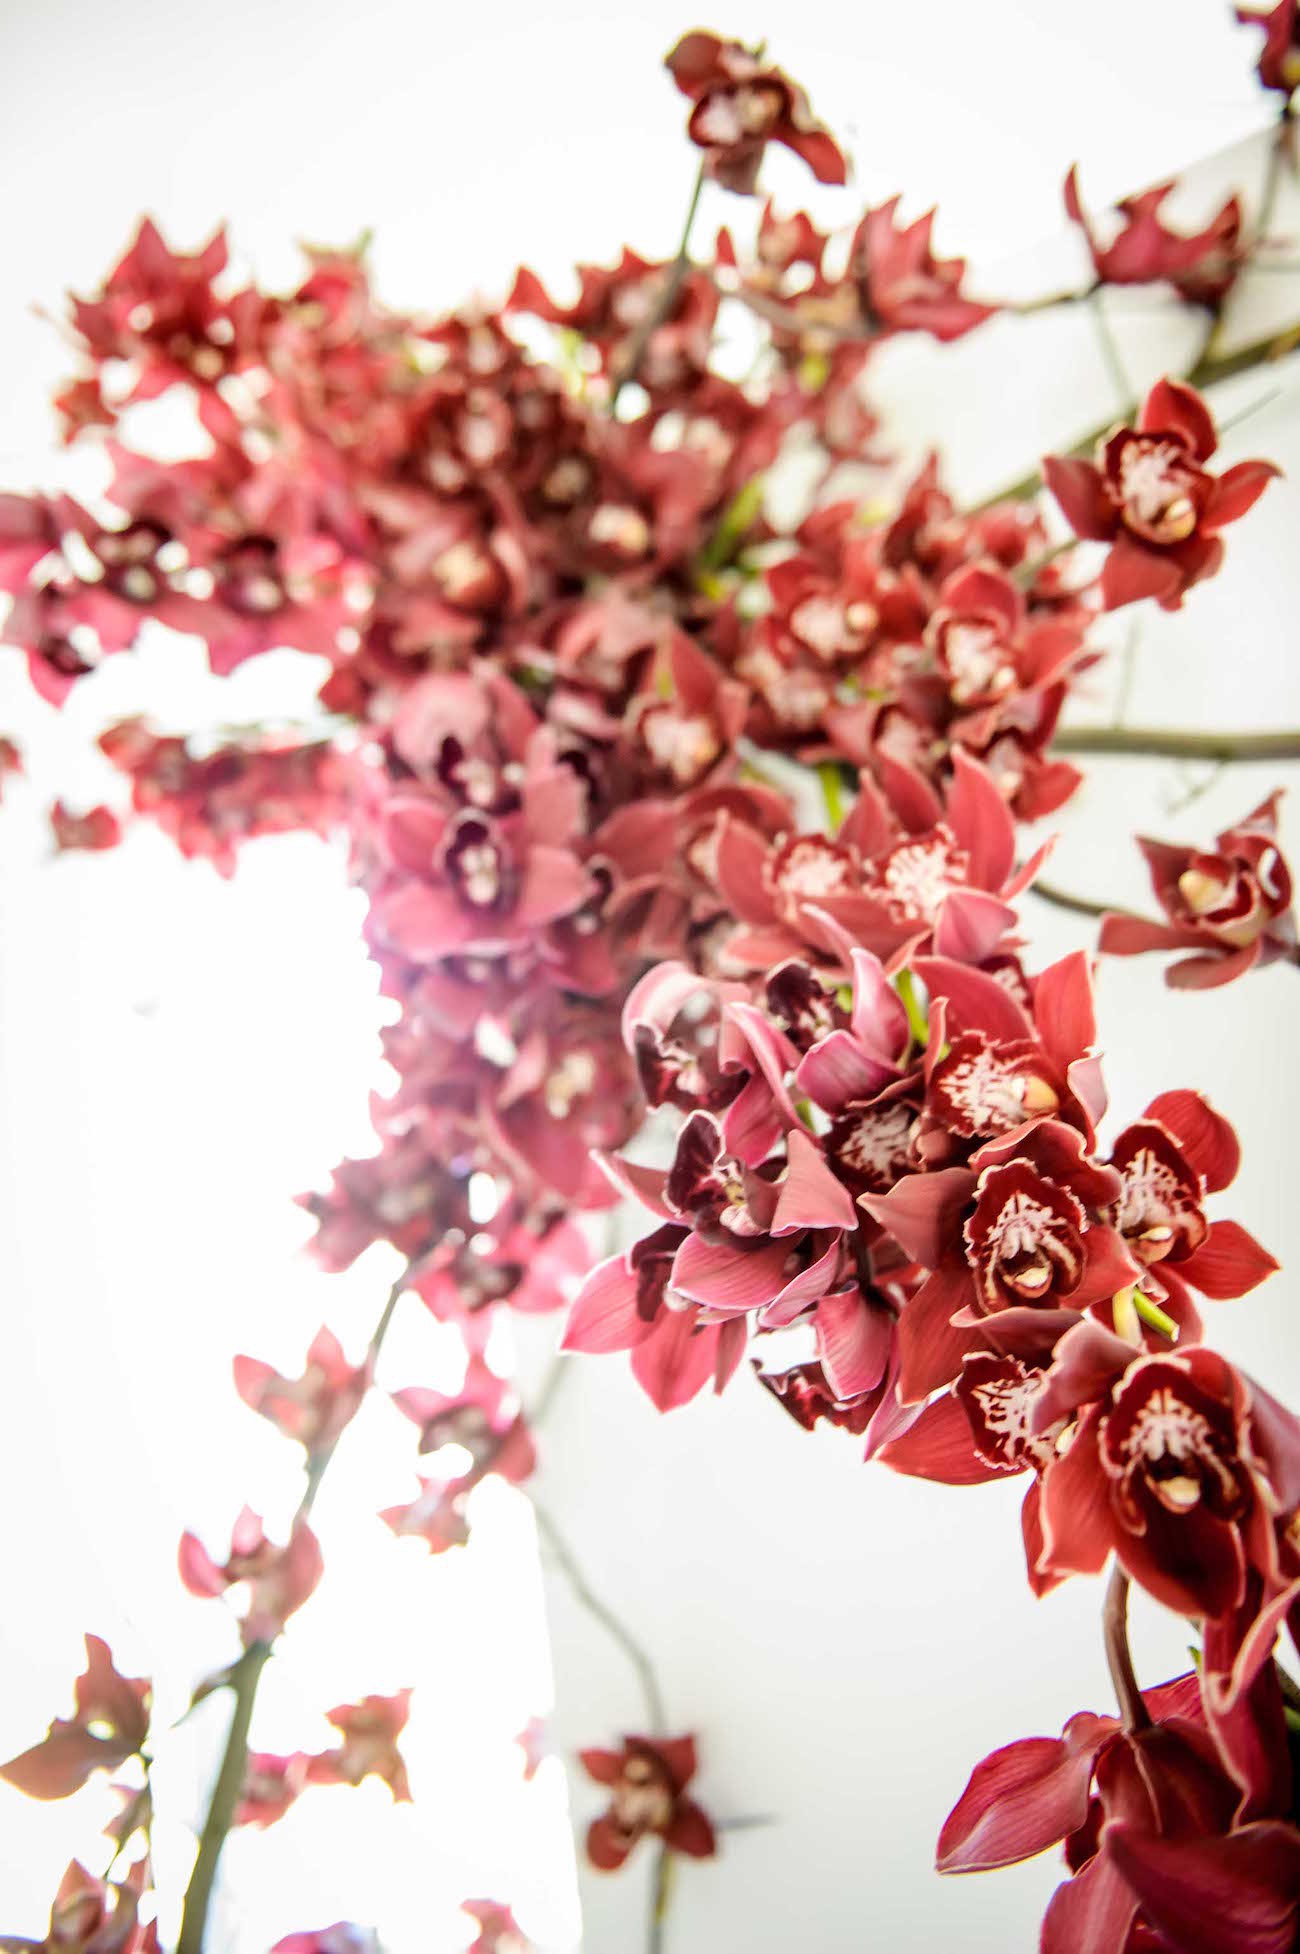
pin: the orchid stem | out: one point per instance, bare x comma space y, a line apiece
244, 1678
1158, 742
1114, 1623
664, 304
1062, 899
567, 1562
1110, 354
660, 1894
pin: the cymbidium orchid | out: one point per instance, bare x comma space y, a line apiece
1231, 904
647, 1782
1151, 497
1201, 266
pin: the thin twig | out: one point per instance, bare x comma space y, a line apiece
1110, 354
1062, 899
568, 1564
244, 1678
1114, 1626
666, 300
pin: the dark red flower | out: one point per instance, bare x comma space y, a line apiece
1150, 496
905, 287
647, 1782
1202, 266
1231, 905
741, 104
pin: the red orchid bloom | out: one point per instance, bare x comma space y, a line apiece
1150, 496
370, 1730
742, 104
901, 872
499, 1931
279, 1579
1172, 1461
1279, 58
313, 1408
647, 1781
905, 287
110, 1724
1202, 266
271, 1785
1231, 905
1147, 1818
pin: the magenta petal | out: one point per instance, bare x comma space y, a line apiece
1108, 1266
853, 1342
1078, 1527
1204, 1136
931, 1349
793, 1298
1228, 1263
937, 1445
751, 1125
1081, 492
555, 883
810, 1196
773, 1055
976, 1001
421, 921
1064, 1010
645, 1185
981, 821
837, 1070
1231, 1895
1091, 1914
728, 1280
971, 924
604, 1313
1131, 936
676, 1363
1025, 1797
1237, 490
1209, 972
878, 1019
923, 1211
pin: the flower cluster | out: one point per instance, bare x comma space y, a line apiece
554, 625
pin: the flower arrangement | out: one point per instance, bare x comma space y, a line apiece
578, 685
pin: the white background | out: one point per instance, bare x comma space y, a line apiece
179, 1057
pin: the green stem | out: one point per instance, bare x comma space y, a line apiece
1159, 742
244, 1678
660, 1894
832, 780
917, 1021
664, 304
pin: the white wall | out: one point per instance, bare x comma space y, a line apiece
847, 1643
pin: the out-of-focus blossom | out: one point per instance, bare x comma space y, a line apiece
647, 1782
279, 1579
110, 1723
741, 104
1201, 265
313, 1408
1230, 905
